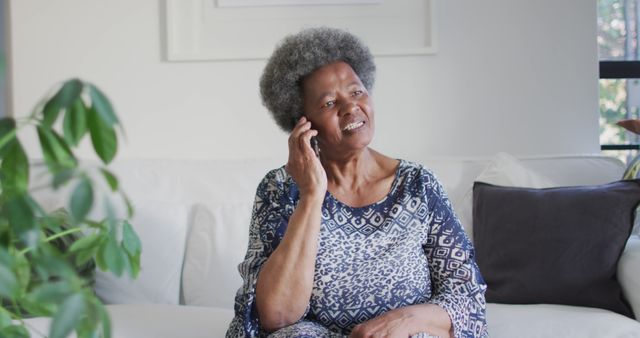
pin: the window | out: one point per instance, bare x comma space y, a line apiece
619, 54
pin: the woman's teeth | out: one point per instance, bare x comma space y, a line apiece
353, 125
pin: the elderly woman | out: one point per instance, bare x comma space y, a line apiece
350, 241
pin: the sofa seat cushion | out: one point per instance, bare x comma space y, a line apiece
168, 321
547, 320
505, 321
156, 321
629, 273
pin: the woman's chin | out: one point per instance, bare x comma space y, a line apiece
360, 143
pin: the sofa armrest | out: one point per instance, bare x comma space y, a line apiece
629, 273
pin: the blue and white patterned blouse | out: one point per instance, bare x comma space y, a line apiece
406, 249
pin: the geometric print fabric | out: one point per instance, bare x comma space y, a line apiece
406, 249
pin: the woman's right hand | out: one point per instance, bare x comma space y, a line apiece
303, 164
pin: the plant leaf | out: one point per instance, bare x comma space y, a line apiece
47, 149
50, 112
23, 271
6, 259
113, 256
68, 316
69, 92
22, 220
134, 265
83, 256
5, 318
111, 179
36, 308
49, 263
130, 240
56, 152
75, 122
14, 331
130, 209
53, 221
94, 224
102, 106
133, 247
63, 99
7, 134
81, 200
90, 325
15, 170
62, 177
100, 258
8, 283
51, 292
85, 242
68, 160
103, 137
105, 321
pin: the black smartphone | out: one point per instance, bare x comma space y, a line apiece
314, 146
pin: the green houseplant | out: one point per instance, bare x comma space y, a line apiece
47, 258
633, 169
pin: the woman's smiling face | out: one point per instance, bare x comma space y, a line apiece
339, 107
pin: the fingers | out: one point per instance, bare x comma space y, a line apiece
305, 139
300, 137
300, 127
372, 329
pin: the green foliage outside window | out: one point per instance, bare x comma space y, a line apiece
618, 31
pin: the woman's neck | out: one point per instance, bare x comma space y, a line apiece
360, 180
357, 170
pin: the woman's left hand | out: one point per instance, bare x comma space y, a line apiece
392, 324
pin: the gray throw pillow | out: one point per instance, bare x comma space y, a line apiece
554, 245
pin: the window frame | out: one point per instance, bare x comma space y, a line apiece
619, 70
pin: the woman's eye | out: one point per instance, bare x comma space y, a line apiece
357, 93
330, 103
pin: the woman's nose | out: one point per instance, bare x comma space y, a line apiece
350, 107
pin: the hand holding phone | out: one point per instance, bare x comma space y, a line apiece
307, 172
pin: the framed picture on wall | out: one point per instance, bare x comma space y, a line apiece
254, 3
198, 30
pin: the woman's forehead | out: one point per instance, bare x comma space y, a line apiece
338, 73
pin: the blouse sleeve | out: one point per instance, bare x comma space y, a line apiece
269, 218
458, 286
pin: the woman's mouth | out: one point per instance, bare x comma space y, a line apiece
353, 125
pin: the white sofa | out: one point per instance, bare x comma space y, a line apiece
193, 217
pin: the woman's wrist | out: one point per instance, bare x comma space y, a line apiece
313, 198
429, 318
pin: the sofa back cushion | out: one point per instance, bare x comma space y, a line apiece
169, 197
219, 229
207, 205
217, 243
162, 228
458, 174
555, 245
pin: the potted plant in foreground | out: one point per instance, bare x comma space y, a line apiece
47, 258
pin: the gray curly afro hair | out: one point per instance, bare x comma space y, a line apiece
299, 55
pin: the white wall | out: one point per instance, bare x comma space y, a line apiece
510, 75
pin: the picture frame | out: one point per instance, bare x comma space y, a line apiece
201, 30
257, 3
